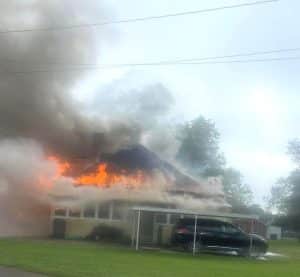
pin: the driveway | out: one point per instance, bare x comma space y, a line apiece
12, 272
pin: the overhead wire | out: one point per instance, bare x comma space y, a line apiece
187, 61
234, 55
137, 19
112, 66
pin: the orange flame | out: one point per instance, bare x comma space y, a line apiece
46, 180
102, 176
62, 167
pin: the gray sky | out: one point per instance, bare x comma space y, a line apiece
254, 105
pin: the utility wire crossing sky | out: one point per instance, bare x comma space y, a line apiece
138, 19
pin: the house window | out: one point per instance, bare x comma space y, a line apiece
74, 213
117, 212
174, 218
103, 211
60, 212
89, 212
161, 218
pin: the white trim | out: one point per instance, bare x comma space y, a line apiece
138, 230
195, 236
110, 212
251, 237
168, 219
88, 218
189, 212
67, 212
96, 210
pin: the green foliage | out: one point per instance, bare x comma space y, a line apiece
199, 147
294, 199
294, 150
199, 153
236, 191
280, 192
285, 198
294, 182
104, 232
285, 195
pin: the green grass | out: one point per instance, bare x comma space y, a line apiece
71, 258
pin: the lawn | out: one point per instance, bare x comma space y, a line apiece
73, 258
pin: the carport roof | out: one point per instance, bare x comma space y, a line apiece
193, 213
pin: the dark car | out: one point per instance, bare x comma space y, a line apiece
217, 235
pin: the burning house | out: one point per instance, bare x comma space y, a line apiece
107, 188
46, 159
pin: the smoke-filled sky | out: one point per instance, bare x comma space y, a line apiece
254, 105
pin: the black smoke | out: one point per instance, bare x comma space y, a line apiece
39, 105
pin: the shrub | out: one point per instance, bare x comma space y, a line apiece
108, 233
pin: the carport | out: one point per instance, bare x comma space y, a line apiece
138, 211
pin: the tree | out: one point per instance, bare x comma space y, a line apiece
285, 195
294, 200
280, 193
237, 193
199, 153
263, 215
294, 151
294, 181
199, 147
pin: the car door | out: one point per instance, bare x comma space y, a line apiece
232, 237
209, 233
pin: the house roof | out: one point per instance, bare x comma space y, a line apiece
139, 157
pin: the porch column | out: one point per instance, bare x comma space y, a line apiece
195, 236
138, 230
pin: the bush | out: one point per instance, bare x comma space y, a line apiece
108, 233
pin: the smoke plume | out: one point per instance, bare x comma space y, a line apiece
24, 208
39, 116
37, 112
148, 105
39, 105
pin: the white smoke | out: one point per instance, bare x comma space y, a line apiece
24, 203
148, 104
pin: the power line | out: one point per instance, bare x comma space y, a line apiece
248, 61
112, 66
137, 19
243, 54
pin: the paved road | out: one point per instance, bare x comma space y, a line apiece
12, 272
